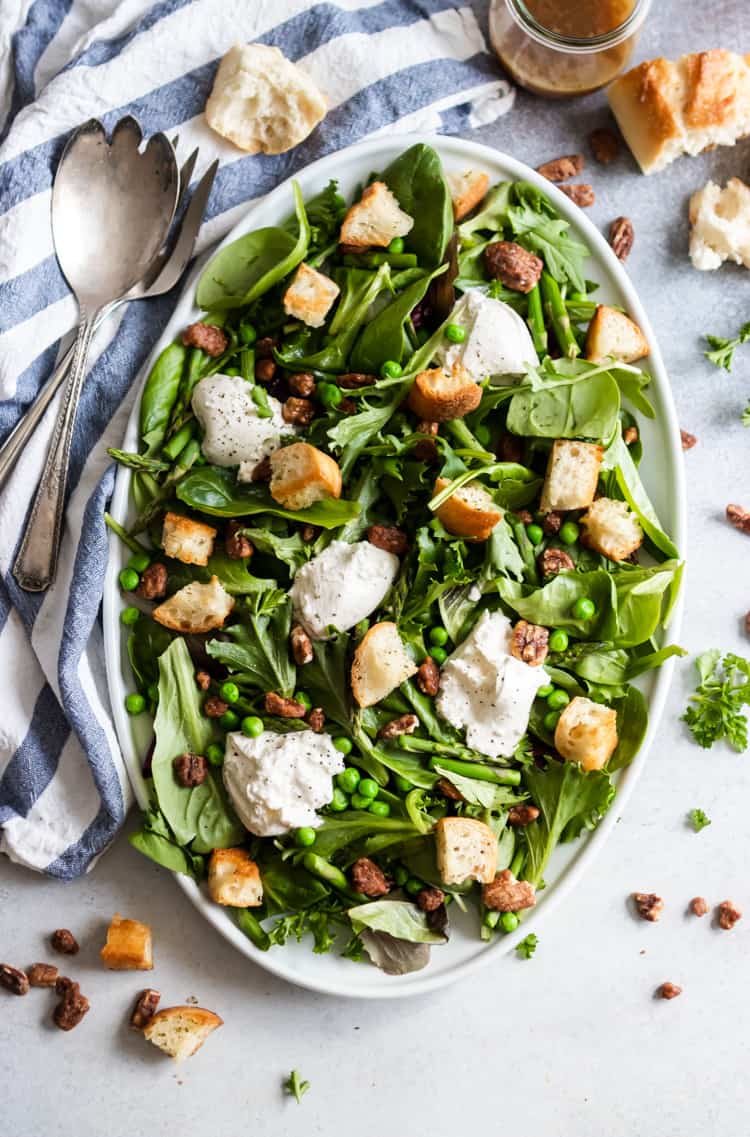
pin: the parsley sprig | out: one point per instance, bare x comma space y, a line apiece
722, 353
716, 709
527, 947
295, 1086
698, 819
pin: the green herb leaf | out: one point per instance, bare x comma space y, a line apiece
215, 491
698, 819
527, 947
716, 709
295, 1086
570, 800
259, 646
722, 353
398, 918
416, 178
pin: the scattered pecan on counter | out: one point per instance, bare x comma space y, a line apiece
605, 145
727, 915
621, 237
64, 941
739, 517
698, 906
582, 194
668, 991
13, 979
559, 169
71, 1008
688, 440
648, 905
145, 1008
42, 975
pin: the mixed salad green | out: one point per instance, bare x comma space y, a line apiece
597, 619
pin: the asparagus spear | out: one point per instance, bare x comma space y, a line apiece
535, 320
557, 315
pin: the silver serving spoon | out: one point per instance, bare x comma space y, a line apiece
112, 205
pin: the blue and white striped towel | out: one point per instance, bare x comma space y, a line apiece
385, 65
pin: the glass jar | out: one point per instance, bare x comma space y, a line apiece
565, 47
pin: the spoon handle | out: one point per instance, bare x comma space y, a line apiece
36, 563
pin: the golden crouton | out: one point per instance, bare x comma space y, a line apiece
439, 395
310, 296
466, 850
467, 190
301, 475
612, 529
586, 732
470, 512
613, 335
234, 879
128, 946
380, 663
196, 608
180, 1031
375, 219
572, 475
188, 541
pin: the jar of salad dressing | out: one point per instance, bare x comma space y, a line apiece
565, 47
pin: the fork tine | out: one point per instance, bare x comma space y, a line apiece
186, 173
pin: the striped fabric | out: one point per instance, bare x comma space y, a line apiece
385, 65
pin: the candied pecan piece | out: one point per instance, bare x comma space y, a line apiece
264, 347
510, 448
514, 266
316, 719
426, 426
71, 1008
368, 878
524, 516
64, 941
203, 679
430, 898
605, 145
42, 975
727, 915
428, 677
447, 789
582, 194
145, 1008
529, 643
630, 435
309, 533
425, 450
301, 644
698, 906
388, 537
405, 724
265, 369
648, 905
205, 336
347, 407
553, 561
355, 379
521, 815
214, 707
668, 991
561, 168
739, 517
302, 384
351, 250
552, 523
298, 411
153, 584
262, 470
190, 770
284, 708
63, 984
688, 440
236, 544
621, 237
506, 894
13, 979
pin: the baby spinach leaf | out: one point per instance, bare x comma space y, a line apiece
644, 596
384, 337
617, 458
398, 918
287, 887
560, 401
570, 801
552, 605
632, 721
642, 663
416, 178
161, 850
215, 491
632, 383
327, 679
252, 264
158, 397
486, 794
259, 647
146, 643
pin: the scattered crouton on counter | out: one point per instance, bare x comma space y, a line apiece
128, 946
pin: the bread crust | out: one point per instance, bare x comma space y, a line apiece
380, 663
375, 219
301, 474
181, 1031
612, 529
572, 475
438, 395
470, 512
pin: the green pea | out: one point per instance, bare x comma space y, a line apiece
329, 395
413, 885
535, 533
550, 721
229, 720
391, 369
339, 801
359, 801
400, 875
584, 609
252, 726
438, 636
129, 616
139, 562
491, 919
135, 704
348, 779
248, 333
509, 921
439, 654
544, 691
403, 785
558, 640
569, 533
153, 692
455, 333
558, 699
368, 787
129, 580
343, 745
215, 754
303, 698
483, 434
305, 837
231, 371
229, 692
379, 808
396, 245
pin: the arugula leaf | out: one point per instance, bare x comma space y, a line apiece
259, 647
352, 433
570, 800
213, 490
324, 218
146, 643
155, 840
384, 336
527, 947
722, 353
535, 219
291, 550
698, 819
492, 216
716, 709
338, 832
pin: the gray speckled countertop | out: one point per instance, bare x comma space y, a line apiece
572, 1042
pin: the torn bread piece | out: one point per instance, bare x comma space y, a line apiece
234, 879
572, 475
375, 219
180, 1031
261, 101
196, 608
380, 663
441, 394
586, 732
301, 475
129, 946
720, 225
470, 512
613, 335
467, 190
466, 849
612, 529
186, 540
310, 296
